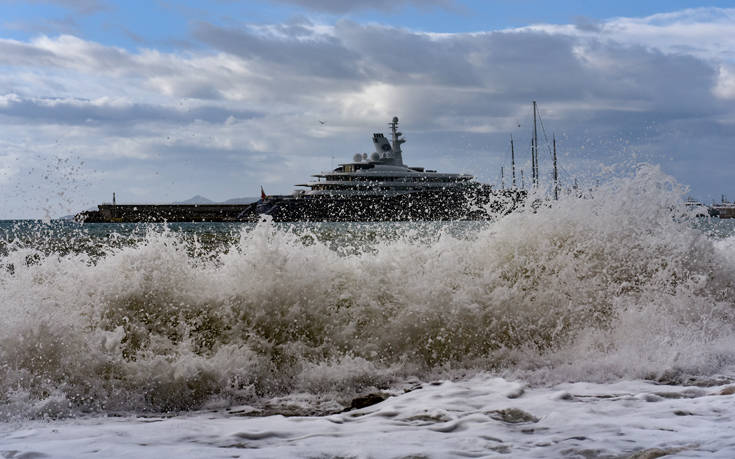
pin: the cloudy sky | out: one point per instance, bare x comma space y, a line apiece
160, 100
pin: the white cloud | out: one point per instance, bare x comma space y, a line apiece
725, 87
701, 32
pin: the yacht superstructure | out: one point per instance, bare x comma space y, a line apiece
381, 173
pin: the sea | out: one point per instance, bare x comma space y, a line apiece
599, 325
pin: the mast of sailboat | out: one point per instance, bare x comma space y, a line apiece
534, 149
533, 162
556, 174
533, 165
523, 182
502, 178
512, 161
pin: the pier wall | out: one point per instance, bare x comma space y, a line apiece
109, 213
725, 211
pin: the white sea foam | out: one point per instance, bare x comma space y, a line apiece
616, 285
483, 416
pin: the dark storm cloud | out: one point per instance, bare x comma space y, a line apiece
516, 65
523, 64
287, 47
369, 54
344, 6
404, 57
488, 73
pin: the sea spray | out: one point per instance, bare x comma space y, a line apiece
615, 283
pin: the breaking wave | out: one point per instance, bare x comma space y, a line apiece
619, 283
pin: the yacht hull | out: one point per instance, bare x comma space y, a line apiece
479, 203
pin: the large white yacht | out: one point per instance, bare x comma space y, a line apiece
380, 187
381, 173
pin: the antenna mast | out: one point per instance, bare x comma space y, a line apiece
533, 165
556, 175
512, 161
534, 149
397, 140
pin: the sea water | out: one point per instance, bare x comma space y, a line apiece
599, 325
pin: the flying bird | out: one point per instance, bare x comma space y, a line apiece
322, 122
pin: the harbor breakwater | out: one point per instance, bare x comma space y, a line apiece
149, 213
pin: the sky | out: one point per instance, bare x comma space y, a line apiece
162, 100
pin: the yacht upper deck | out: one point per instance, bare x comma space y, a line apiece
382, 172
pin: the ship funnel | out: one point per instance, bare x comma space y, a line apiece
382, 147
387, 152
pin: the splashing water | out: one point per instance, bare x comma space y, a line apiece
617, 284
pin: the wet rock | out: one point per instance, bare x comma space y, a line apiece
729, 390
289, 410
412, 388
502, 449
367, 400
653, 453
264, 435
669, 378
686, 393
516, 393
429, 418
244, 410
649, 397
22, 455
707, 382
587, 453
512, 416
676, 378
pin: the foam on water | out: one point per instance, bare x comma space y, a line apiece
618, 284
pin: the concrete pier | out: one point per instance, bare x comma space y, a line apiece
723, 211
151, 213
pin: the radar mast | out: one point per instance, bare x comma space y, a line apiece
397, 141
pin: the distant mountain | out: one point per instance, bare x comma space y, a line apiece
240, 200
198, 199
